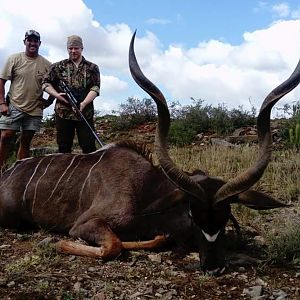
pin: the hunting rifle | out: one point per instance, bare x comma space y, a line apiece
74, 104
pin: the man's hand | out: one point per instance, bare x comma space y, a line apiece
62, 97
82, 106
4, 109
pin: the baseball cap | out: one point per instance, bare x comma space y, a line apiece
32, 32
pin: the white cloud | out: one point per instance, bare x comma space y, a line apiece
282, 10
221, 73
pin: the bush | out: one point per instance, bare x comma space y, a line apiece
196, 118
294, 130
134, 112
181, 133
291, 132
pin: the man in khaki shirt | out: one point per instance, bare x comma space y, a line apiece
24, 109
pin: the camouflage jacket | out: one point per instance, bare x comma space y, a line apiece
81, 80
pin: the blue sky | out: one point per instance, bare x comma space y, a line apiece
231, 52
191, 21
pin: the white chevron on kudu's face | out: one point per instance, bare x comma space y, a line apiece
210, 238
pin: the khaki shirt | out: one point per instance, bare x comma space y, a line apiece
26, 75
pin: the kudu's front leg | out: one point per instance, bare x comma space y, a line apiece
158, 241
96, 232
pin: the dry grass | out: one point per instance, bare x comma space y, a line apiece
281, 179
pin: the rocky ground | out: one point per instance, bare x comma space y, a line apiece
30, 268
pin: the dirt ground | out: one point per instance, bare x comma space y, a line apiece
30, 268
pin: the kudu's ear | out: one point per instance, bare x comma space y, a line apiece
258, 200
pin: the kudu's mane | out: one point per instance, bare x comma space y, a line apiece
140, 148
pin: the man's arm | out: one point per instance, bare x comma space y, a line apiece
3, 104
95, 89
2, 90
88, 99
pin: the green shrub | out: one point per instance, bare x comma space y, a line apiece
291, 133
134, 112
294, 135
197, 118
180, 133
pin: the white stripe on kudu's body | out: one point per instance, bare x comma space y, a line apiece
15, 166
38, 181
74, 168
88, 176
60, 178
31, 177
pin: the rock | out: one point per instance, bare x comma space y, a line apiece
77, 286
11, 284
99, 296
253, 292
220, 142
240, 259
280, 295
155, 257
193, 256
92, 269
259, 281
259, 240
244, 139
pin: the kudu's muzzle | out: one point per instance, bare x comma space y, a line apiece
212, 255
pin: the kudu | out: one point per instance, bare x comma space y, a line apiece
116, 195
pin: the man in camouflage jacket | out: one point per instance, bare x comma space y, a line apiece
83, 78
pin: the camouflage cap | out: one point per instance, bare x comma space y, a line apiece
32, 32
74, 41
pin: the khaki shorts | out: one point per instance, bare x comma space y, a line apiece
19, 121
